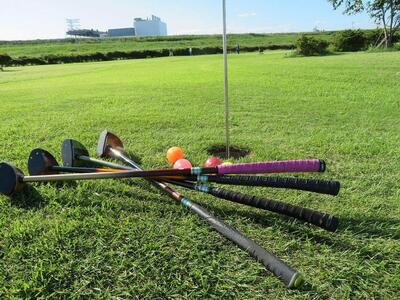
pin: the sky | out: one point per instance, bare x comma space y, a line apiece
42, 19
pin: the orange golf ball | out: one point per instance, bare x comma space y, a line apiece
174, 154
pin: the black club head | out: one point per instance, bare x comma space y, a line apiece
40, 162
10, 179
108, 140
71, 150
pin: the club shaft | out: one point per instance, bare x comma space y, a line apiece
279, 268
103, 163
81, 170
105, 175
79, 176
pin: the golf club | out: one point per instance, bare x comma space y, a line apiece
75, 155
316, 218
44, 163
41, 162
110, 145
280, 269
329, 187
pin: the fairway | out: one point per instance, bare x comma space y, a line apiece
121, 239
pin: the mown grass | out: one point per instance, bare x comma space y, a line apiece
89, 46
123, 239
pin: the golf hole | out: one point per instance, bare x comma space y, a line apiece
235, 151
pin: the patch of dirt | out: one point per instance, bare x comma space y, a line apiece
235, 151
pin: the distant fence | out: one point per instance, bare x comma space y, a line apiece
120, 55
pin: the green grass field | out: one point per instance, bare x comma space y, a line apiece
125, 240
88, 46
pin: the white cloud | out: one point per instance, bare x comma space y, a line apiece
247, 15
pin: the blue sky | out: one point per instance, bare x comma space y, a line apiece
23, 19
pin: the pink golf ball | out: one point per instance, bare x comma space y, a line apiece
212, 162
182, 164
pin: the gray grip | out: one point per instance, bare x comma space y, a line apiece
288, 275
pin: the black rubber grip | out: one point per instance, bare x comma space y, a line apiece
311, 185
317, 218
288, 275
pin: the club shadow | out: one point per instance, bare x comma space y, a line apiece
372, 227
64, 184
28, 198
134, 157
258, 216
111, 192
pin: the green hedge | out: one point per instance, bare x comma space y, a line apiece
308, 46
351, 40
118, 55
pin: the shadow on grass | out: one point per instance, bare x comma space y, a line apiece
133, 157
372, 227
369, 227
235, 151
64, 184
344, 239
8, 71
29, 198
293, 54
259, 216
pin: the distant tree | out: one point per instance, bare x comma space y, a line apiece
309, 46
349, 40
4, 61
384, 12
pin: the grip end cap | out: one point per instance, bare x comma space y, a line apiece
296, 281
322, 165
333, 224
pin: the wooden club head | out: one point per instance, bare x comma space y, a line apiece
107, 141
40, 162
10, 179
71, 150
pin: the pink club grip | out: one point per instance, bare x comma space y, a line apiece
288, 166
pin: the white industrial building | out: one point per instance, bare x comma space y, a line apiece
141, 27
149, 26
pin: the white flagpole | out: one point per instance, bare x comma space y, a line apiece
226, 95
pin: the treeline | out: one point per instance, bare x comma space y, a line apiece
307, 44
343, 41
119, 55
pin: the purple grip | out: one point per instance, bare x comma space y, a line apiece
288, 166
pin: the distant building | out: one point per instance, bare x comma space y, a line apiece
141, 27
148, 27
121, 32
